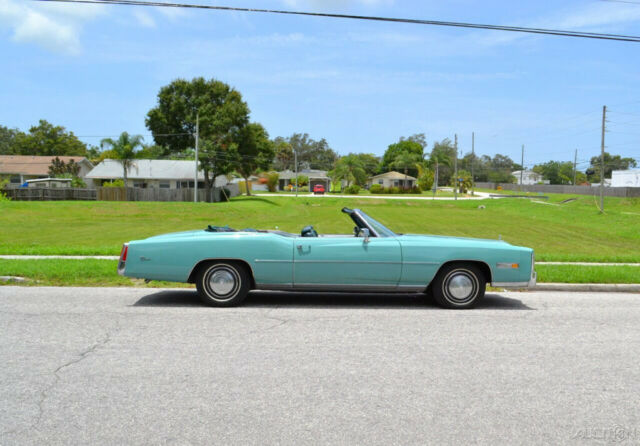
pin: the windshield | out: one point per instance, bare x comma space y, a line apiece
380, 229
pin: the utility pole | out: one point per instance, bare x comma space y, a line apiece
295, 161
455, 170
195, 179
604, 120
473, 158
521, 167
575, 164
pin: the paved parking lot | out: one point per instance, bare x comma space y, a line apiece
143, 366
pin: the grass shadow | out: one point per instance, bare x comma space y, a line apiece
272, 299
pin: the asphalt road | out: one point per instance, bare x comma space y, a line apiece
143, 366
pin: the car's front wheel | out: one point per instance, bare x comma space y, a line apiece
459, 286
223, 284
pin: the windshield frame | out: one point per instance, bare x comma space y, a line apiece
376, 228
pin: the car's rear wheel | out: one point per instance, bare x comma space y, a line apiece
459, 286
223, 284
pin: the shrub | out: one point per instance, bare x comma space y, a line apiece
376, 189
354, 189
116, 183
425, 182
414, 190
463, 185
394, 190
3, 184
272, 181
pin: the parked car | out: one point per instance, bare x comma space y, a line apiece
225, 264
318, 189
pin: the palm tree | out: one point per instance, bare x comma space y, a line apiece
405, 160
123, 149
348, 168
439, 156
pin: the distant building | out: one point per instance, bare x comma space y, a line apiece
625, 178
20, 168
154, 174
392, 179
528, 177
287, 177
49, 182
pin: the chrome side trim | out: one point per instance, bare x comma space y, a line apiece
506, 265
271, 261
348, 261
348, 288
421, 263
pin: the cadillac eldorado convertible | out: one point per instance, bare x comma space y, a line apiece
225, 264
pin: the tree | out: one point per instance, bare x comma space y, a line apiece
284, 158
59, 168
425, 179
8, 140
500, 168
254, 151
611, 163
441, 156
311, 154
404, 161
557, 172
46, 139
370, 163
222, 114
410, 145
152, 152
124, 150
350, 169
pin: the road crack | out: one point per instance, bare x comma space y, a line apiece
45, 393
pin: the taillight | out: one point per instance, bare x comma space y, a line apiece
123, 253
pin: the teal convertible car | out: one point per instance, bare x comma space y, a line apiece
225, 264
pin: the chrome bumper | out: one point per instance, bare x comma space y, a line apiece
517, 285
121, 268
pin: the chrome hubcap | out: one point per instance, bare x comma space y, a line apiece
460, 286
221, 282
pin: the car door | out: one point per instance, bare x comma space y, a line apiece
347, 263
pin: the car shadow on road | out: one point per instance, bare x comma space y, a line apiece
189, 298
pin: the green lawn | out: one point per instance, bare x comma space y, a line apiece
70, 272
574, 231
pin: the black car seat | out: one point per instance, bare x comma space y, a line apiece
308, 231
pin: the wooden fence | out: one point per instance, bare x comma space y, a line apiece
50, 194
138, 194
627, 192
117, 194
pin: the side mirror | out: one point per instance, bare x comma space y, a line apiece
365, 234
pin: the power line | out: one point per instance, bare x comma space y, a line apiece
520, 29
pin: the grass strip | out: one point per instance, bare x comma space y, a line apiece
92, 272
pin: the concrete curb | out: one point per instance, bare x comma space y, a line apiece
600, 287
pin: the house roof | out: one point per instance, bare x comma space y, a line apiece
310, 173
143, 169
393, 175
526, 172
33, 165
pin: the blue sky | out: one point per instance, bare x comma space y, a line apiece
360, 85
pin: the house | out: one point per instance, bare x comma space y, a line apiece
256, 183
287, 177
49, 182
153, 174
528, 177
625, 178
20, 168
392, 179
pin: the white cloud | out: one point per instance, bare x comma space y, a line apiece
144, 19
55, 27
